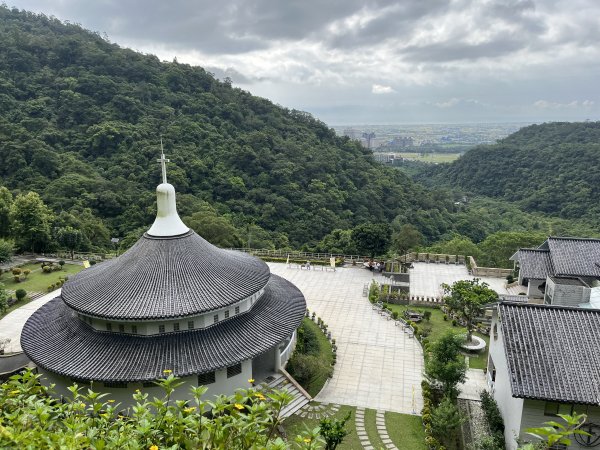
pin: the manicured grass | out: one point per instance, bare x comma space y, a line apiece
38, 281
371, 428
439, 327
294, 425
405, 431
315, 385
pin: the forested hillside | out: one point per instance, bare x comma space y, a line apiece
550, 168
80, 121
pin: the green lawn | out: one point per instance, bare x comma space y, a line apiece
431, 157
38, 281
294, 425
405, 431
439, 326
315, 385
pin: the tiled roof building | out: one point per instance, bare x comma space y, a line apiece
173, 302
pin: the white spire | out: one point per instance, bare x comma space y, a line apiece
167, 222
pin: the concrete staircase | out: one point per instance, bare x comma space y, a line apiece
281, 382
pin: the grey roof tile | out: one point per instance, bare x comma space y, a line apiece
552, 352
166, 277
575, 256
534, 263
55, 339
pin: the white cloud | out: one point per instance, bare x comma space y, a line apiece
544, 104
381, 89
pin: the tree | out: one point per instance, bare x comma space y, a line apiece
445, 421
446, 365
372, 238
334, 431
6, 200
20, 294
69, 238
31, 220
406, 239
3, 299
214, 228
6, 250
467, 299
497, 248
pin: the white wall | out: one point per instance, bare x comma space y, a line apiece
124, 396
511, 408
567, 294
532, 289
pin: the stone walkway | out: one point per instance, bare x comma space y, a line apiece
360, 429
473, 385
378, 365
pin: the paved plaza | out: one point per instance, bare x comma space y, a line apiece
426, 278
378, 365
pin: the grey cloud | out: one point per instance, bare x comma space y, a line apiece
457, 51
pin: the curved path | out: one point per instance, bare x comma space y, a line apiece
378, 365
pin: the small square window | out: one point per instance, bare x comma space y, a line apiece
134, 329
216, 318
121, 328
227, 314
237, 309
161, 328
206, 378
176, 327
232, 371
109, 327
191, 325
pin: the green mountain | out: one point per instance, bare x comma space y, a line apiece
80, 123
551, 168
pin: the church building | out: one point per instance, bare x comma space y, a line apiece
173, 303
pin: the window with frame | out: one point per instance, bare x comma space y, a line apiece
227, 314
176, 327
555, 408
237, 309
161, 329
232, 371
206, 378
191, 325
216, 318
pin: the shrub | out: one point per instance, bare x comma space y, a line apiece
50, 287
445, 317
16, 271
426, 418
26, 272
46, 269
61, 263
55, 267
427, 315
17, 279
395, 315
510, 279
454, 322
92, 262
20, 294
492, 413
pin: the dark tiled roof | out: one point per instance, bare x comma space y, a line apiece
533, 263
55, 339
575, 256
166, 277
552, 352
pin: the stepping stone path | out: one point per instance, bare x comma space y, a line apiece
383, 434
360, 429
318, 410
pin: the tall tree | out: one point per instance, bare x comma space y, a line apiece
69, 238
467, 299
31, 222
6, 201
406, 238
446, 365
372, 238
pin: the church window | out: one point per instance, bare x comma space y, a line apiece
227, 314
109, 327
237, 309
176, 327
121, 328
115, 384
232, 371
206, 378
134, 329
161, 328
191, 325
216, 318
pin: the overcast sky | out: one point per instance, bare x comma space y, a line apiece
375, 61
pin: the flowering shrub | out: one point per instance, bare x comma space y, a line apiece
31, 418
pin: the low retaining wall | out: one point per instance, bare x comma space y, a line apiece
494, 272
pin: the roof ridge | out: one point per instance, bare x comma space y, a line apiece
572, 238
550, 307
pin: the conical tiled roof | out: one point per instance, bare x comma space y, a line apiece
166, 277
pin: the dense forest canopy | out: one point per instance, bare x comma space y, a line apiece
80, 121
550, 168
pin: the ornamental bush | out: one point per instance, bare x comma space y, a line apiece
47, 269
86, 419
16, 271
20, 294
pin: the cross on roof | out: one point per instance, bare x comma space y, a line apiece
163, 162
